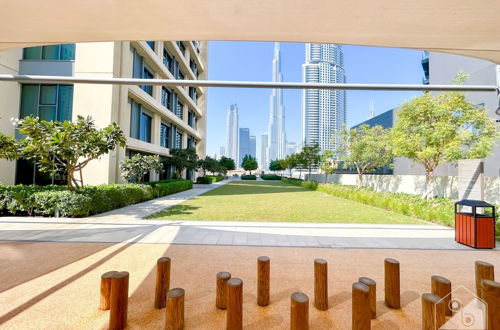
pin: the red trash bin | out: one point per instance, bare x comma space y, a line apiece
475, 227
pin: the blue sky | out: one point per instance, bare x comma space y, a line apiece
229, 60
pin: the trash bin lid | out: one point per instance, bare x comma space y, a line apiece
471, 202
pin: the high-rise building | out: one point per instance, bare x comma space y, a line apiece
276, 131
222, 151
232, 133
263, 162
253, 146
323, 111
291, 148
153, 118
244, 144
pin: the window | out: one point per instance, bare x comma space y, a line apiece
166, 97
180, 75
151, 44
168, 60
182, 47
192, 120
193, 93
194, 67
64, 52
165, 132
191, 142
140, 122
143, 71
178, 140
179, 109
48, 102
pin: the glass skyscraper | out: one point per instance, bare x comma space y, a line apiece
232, 133
323, 111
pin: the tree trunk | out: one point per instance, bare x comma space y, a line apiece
429, 184
360, 178
326, 177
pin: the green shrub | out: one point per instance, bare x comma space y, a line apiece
208, 179
248, 177
81, 202
270, 177
439, 210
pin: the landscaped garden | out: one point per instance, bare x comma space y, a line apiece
277, 201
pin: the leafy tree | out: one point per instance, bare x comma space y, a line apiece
291, 162
62, 147
275, 165
249, 163
365, 148
309, 157
328, 164
208, 164
431, 130
139, 165
182, 159
227, 163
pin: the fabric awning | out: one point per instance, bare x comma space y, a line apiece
464, 27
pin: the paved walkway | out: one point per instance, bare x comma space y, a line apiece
127, 225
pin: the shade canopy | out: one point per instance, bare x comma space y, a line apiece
464, 27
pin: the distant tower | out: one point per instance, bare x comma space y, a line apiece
252, 146
222, 151
276, 132
244, 145
372, 111
232, 132
323, 111
263, 161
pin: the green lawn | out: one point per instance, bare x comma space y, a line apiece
277, 201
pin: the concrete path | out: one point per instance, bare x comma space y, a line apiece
127, 225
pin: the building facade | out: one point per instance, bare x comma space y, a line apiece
154, 119
323, 111
276, 142
232, 133
244, 145
253, 146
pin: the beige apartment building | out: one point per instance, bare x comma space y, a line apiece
154, 119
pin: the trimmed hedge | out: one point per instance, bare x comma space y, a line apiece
270, 177
209, 179
439, 210
248, 177
81, 202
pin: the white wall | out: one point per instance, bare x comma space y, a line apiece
444, 186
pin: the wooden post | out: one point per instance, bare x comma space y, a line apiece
361, 311
433, 312
234, 320
372, 287
263, 282
105, 290
392, 283
441, 287
162, 282
321, 284
221, 289
299, 311
175, 309
484, 271
118, 301
491, 296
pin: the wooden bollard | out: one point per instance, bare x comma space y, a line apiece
105, 291
491, 296
372, 286
118, 301
299, 311
234, 319
162, 282
263, 280
221, 289
392, 283
175, 309
433, 312
441, 287
321, 284
484, 271
361, 311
